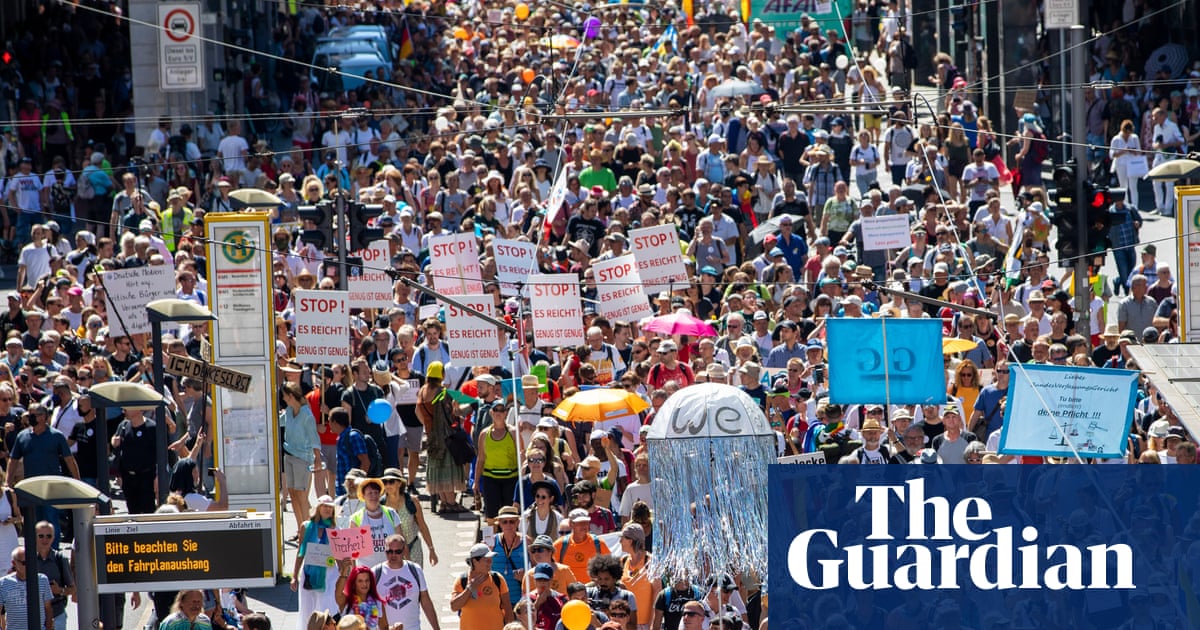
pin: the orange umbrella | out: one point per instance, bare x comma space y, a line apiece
951, 346
592, 405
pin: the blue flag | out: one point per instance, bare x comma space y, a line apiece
877, 360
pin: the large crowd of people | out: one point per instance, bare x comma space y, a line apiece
767, 184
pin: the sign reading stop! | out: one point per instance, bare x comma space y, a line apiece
557, 312
454, 264
471, 340
659, 258
372, 287
322, 326
514, 261
619, 290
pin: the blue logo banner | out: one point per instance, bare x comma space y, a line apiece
984, 546
876, 360
1053, 407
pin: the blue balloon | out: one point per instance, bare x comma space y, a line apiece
379, 411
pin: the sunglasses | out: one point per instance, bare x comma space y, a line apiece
692, 613
537, 460
394, 552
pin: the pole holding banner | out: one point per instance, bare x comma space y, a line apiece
449, 300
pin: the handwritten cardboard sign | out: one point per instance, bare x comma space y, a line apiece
128, 292
350, 543
318, 555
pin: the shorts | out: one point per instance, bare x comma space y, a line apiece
410, 440
296, 475
329, 456
871, 121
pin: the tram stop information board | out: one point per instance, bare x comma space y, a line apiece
217, 550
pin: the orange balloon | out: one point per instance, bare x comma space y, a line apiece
461, 33
522, 11
527, 75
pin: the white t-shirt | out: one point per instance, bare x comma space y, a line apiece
979, 189
634, 493
231, 149
401, 589
36, 260
381, 528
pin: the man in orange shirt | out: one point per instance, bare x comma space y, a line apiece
542, 550
578, 548
481, 595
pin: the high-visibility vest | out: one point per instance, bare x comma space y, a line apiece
66, 125
167, 225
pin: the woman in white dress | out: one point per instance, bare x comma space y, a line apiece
315, 583
1126, 152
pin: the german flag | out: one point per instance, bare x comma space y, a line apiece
406, 46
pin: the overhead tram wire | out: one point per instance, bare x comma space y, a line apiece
297, 62
389, 270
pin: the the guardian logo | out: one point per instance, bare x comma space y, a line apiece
927, 543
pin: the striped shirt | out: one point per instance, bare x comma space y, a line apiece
12, 598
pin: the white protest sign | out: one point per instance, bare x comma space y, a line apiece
408, 391
659, 259
807, 458
428, 310
1058, 410
318, 555
556, 309
128, 292
619, 290
373, 287
886, 232
322, 326
472, 341
514, 260
454, 262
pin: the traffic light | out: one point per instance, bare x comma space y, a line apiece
1065, 217
315, 223
1098, 220
7, 58
358, 215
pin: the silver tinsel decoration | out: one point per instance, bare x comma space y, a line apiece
710, 447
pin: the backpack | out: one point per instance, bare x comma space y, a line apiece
562, 551
1040, 149
373, 454
60, 201
667, 592
378, 571
84, 188
462, 583
952, 73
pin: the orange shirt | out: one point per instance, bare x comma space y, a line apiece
558, 583
577, 555
484, 611
638, 581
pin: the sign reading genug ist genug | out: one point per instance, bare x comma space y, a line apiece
235, 549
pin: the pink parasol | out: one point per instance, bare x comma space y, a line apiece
680, 323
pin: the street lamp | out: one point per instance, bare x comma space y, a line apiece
119, 395
1185, 168
253, 198
159, 311
63, 493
